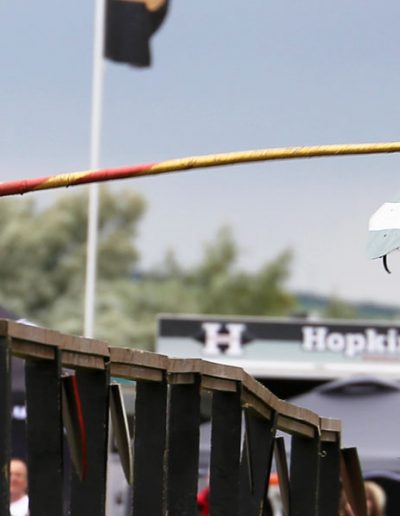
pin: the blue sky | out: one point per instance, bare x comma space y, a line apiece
227, 76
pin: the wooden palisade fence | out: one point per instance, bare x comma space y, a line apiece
165, 447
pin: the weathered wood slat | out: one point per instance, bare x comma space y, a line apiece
283, 474
183, 449
29, 341
44, 436
88, 495
5, 425
121, 432
149, 448
225, 453
329, 478
353, 481
256, 463
297, 420
304, 476
330, 429
134, 364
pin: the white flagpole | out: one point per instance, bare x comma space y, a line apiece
93, 204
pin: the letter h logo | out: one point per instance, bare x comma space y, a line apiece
226, 339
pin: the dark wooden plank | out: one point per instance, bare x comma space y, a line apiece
149, 448
74, 424
225, 453
88, 495
30, 341
183, 449
5, 426
304, 471
44, 436
256, 462
352, 479
283, 474
297, 420
120, 428
329, 479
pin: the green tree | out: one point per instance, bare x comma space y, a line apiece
224, 289
214, 286
43, 260
43, 256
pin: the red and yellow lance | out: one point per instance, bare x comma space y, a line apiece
194, 162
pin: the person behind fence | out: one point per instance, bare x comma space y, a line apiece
375, 497
19, 501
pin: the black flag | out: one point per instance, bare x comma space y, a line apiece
129, 27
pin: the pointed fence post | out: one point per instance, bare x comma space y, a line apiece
5, 418
226, 428
304, 427
225, 452
283, 474
352, 479
44, 435
183, 445
149, 370
149, 448
304, 470
260, 425
89, 494
256, 464
329, 474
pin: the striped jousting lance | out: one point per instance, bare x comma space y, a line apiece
194, 162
